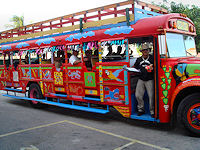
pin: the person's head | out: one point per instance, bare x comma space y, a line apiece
75, 52
145, 50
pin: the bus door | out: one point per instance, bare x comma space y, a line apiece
113, 79
135, 45
2, 68
74, 73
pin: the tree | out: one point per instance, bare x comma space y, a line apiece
17, 21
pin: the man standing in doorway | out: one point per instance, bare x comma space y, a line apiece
145, 82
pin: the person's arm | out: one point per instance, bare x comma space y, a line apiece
136, 65
77, 62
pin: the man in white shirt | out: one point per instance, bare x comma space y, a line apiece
74, 59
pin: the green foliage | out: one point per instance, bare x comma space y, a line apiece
17, 21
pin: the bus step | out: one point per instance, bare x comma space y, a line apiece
88, 109
14, 90
146, 117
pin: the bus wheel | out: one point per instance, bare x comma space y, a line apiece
35, 92
188, 113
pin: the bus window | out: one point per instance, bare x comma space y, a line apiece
24, 58
7, 60
91, 54
1, 59
74, 51
58, 56
16, 59
46, 56
113, 51
34, 57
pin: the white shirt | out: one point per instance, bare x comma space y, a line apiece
72, 59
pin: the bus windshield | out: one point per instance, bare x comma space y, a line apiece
180, 45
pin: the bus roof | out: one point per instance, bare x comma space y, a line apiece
139, 26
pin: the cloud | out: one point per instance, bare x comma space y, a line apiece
119, 30
6, 47
22, 44
45, 41
79, 36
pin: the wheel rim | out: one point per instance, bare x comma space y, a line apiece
193, 116
34, 94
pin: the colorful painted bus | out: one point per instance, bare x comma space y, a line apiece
34, 62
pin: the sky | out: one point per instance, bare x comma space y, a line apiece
41, 10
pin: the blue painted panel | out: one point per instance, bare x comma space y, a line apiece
59, 95
141, 13
10, 89
93, 99
146, 117
88, 109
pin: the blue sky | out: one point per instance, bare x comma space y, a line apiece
40, 10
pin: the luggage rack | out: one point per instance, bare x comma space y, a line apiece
126, 11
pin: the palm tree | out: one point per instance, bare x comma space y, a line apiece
18, 21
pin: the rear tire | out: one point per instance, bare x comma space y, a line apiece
188, 113
35, 92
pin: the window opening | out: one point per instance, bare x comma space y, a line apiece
113, 51
90, 54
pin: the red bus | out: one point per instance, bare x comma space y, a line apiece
35, 62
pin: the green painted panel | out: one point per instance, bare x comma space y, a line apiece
90, 79
74, 67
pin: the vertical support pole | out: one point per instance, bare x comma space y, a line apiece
52, 51
127, 17
29, 62
127, 50
126, 73
11, 58
40, 70
100, 73
99, 15
81, 25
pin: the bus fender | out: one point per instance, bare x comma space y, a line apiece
192, 82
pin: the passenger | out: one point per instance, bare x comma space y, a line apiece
74, 59
145, 65
119, 50
58, 63
109, 51
26, 61
88, 59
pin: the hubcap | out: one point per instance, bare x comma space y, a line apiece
193, 116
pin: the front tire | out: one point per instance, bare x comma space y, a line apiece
188, 113
35, 92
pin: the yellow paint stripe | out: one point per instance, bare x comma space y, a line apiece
116, 135
90, 128
29, 129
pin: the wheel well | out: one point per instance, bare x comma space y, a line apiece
31, 82
182, 94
